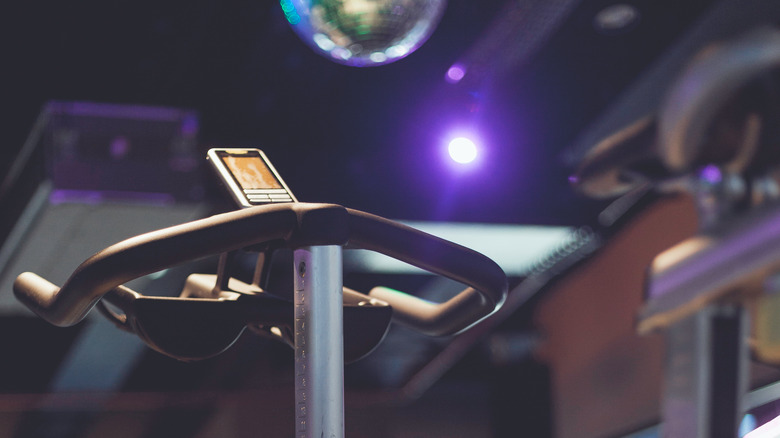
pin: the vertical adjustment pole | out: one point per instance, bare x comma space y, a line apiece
319, 345
706, 373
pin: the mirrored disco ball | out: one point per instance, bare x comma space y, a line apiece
363, 33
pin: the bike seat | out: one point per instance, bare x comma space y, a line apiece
714, 113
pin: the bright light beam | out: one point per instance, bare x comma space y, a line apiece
462, 150
455, 74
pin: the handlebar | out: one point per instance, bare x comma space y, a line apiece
486, 280
293, 225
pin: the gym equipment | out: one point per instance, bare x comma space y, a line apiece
715, 139
213, 310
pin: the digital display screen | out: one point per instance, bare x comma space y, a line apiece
251, 172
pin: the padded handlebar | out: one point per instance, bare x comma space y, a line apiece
295, 225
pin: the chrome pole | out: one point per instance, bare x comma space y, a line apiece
319, 345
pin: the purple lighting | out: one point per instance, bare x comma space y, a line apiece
712, 174
455, 74
462, 150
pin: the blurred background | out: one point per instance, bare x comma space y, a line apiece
108, 110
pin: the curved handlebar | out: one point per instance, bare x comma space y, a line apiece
486, 280
294, 225
161, 249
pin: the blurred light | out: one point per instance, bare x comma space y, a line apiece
616, 19
397, 51
287, 6
455, 74
323, 42
747, 425
712, 174
516, 248
289, 12
462, 150
341, 53
768, 430
189, 126
378, 57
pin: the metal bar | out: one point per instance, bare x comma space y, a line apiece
710, 266
729, 362
706, 374
319, 345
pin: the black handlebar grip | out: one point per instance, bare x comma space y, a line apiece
486, 280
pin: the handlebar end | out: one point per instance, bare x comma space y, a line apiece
35, 292
449, 318
40, 296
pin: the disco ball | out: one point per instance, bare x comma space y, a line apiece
363, 33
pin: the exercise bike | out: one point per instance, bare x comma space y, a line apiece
326, 323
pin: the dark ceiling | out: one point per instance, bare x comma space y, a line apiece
367, 138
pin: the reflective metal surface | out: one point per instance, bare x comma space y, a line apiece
363, 33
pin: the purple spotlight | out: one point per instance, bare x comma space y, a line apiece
455, 74
711, 174
462, 150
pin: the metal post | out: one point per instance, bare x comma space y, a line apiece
319, 345
706, 374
